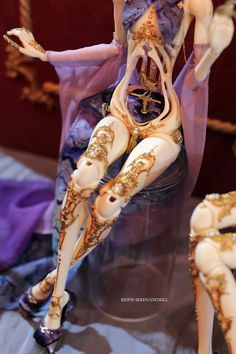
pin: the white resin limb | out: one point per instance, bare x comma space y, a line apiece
212, 256
217, 31
119, 34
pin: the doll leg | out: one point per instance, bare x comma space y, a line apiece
215, 212
44, 288
203, 305
108, 141
202, 219
146, 162
213, 258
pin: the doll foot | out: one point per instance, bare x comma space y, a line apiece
29, 305
47, 337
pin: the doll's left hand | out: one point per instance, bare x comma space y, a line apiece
222, 28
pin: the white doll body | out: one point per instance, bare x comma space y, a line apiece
110, 139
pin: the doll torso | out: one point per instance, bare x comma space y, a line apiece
150, 52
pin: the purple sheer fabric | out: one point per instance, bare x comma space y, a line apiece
193, 96
84, 72
22, 205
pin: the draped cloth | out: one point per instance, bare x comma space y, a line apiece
193, 96
22, 207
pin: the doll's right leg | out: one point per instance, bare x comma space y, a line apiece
108, 142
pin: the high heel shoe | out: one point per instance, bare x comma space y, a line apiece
45, 336
28, 303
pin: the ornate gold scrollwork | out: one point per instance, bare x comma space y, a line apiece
147, 32
216, 288
97, 150
46, 285
226, 241
226, 202
55, 309
125, 183
67, 214
92, 235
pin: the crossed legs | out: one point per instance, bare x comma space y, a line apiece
146, 162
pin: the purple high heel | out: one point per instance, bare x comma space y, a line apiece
29, 305
45, 336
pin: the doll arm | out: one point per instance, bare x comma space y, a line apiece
98, 52
119, 33
217, 31
89, 55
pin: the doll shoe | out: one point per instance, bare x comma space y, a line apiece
29, 305
47, 337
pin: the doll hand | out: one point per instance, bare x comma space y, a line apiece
222, 28
30, 46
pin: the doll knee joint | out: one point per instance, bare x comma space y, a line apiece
87, 174
207, 257
202, 219
107, 205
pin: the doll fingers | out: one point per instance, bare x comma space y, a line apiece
11, 42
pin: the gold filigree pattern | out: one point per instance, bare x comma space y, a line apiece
147, 82
193, 242
152, 128
125, 183
93, 235
148, 32
47, 284
55, 309
135, 130
178, 137
226, 202
97, 150
37, 46
67, 214
216, 288
226, 241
